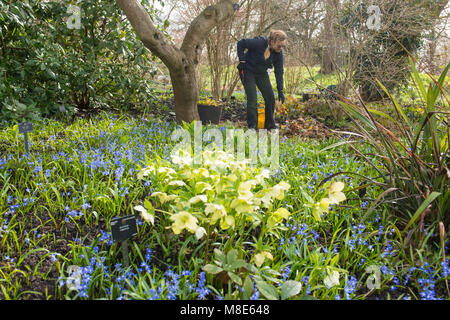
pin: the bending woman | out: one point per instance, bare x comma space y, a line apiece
262, 53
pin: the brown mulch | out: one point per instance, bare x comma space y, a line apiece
306, 127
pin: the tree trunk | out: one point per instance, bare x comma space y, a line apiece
329, 50
182, 63
185, 91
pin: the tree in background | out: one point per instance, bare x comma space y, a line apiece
382, 53
436, 33
329, 41
182, 62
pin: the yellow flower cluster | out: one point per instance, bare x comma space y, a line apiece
221, 192
210, 102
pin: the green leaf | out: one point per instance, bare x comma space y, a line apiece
232, 256
435, 89
219, 255
233, 276
290, 288
306, 195
148, 205
416, 76
334, 260
248, 288
336, 145
267, 290
397, 106
358, 115
422, 208
212, 268
237, 264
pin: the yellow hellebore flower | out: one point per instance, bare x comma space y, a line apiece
201, 186
279, 189
260, 257
184, 220
218, 211
277, 217
227, 222
265, 174
198, 198
281, 214
321, 207
332, 279
199, 233
177, 183
241, 205
335, 192
145, 215
163, 197
181, 158
168, 171
244, 190
145, 172
201, 172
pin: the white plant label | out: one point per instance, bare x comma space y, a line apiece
374, 20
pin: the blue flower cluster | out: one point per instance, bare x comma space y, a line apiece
124, 280
357, 238
350, 287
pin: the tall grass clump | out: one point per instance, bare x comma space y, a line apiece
414, 160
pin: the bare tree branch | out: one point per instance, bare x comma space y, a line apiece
202, 25
152, 38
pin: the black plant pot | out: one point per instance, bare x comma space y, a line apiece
209, 113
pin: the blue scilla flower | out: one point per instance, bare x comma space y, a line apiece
286, 273
444, 265
305, 281
255, 295
85, 206
350, 287
119, 172
201, 288
47, 173
315, 234
153, 294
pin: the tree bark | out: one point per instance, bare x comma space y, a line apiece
182, 63
329, 50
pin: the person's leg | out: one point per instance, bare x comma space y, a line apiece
265, 86
250, 91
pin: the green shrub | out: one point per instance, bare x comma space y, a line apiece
46, 64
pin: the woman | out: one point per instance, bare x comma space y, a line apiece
262, 53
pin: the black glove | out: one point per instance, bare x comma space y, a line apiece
281, 96
241, 68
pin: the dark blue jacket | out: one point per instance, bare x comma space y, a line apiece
254, 57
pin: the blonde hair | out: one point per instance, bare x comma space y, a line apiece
274, 36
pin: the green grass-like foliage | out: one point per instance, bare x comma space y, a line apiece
415, 166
